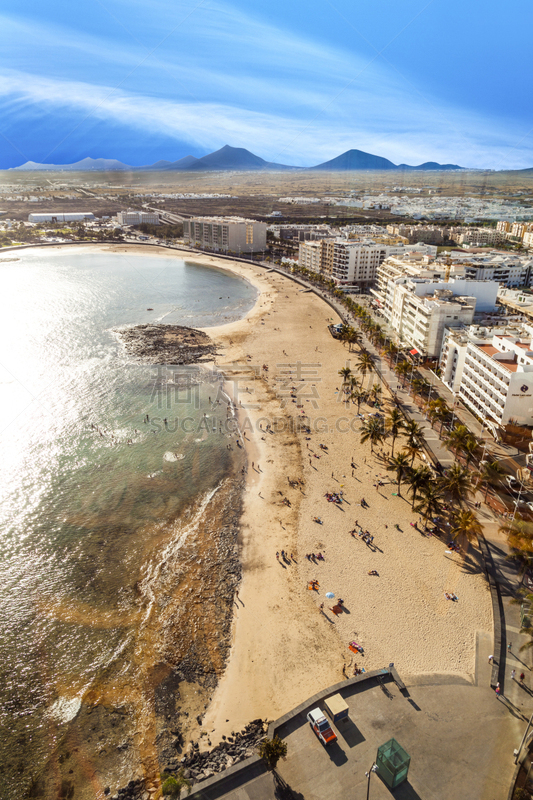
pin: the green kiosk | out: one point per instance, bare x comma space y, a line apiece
392, 763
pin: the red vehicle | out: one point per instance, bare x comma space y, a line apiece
321, 727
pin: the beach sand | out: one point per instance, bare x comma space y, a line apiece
284, 649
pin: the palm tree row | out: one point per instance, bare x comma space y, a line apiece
428, 494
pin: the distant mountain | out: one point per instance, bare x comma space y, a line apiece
353, 160
85, 165
429, 165
182, 163
234, 158
239, 159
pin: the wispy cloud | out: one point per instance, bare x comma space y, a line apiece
231, 77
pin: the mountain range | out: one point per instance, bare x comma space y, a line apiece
237, 159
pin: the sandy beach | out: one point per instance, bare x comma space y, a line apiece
284, 647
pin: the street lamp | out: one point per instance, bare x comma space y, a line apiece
373, 768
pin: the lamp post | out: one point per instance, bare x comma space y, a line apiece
372, 769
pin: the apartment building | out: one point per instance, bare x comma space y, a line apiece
430, 234
420, 298
349, 263
491, 369
131, 217
226, 234
301, 233
511, 271
355, 263
527, 241
352, 263
480, 237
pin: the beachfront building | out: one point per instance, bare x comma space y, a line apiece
132, 217
351, 263
419, 298
226, 234
56, 216
507, 269
491, 371
348, 263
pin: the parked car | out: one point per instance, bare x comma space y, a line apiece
512, 483
321, 727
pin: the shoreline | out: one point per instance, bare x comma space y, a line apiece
284, 648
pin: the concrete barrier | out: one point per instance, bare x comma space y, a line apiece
250, 768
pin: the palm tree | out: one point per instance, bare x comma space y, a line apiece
399, 465
417, 387
419, 479
345, 374
466, 524
365, 363
354, 383
438, 410
402, 370
271, 750
412, 448
469, 448
356, 337
375, 391
457, 483
414, 431
395, 423
430, 501
372, 430
358, 396
519, 534
490, 473
457, 439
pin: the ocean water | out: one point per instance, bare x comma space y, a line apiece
91, 494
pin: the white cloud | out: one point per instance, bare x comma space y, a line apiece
224, 76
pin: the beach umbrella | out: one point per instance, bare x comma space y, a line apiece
330, 595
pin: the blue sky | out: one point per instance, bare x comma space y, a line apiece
294, 82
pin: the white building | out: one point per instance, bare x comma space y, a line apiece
226, 234
491, 369
130, 217
508, 269
480, 237
56, 216
419, 299
352, 263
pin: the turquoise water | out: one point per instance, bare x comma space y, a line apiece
86, 485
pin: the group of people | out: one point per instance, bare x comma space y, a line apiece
285, 557
334, 497
366, 536
316, 557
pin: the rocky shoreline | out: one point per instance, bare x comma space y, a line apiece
168, 344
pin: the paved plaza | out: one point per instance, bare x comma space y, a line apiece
459, 735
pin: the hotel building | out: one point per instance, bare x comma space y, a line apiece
226, 234
491, 370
